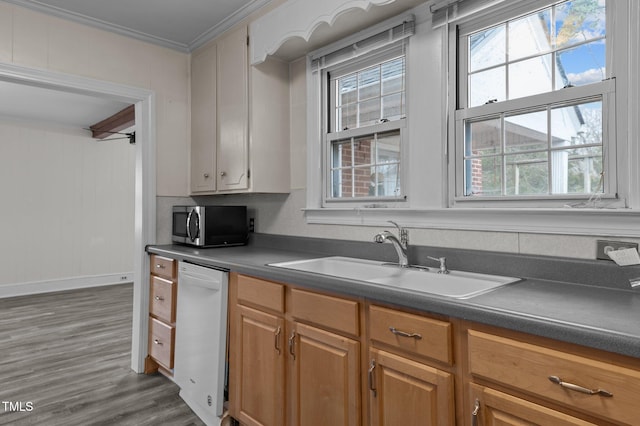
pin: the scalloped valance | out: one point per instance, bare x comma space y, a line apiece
299, 19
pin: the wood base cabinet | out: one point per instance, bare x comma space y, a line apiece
284, 371
163, 289
547, 382
408, 393
258, 393
326, 377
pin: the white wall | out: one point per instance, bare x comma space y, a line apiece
35, 40
32, 39
68, 205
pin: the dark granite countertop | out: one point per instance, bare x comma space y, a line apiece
571, 308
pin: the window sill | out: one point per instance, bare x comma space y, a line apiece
567, 221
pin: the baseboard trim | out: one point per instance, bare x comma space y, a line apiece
71, 283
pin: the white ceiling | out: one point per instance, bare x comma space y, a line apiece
64, 109
178, 24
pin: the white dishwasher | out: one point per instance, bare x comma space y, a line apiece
201, 338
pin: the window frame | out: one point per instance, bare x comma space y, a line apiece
377, 57
457, 37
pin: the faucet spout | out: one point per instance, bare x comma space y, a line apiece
401, 248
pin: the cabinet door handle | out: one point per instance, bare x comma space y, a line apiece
372, 384
291, 345
157, 342
206, 175
475, 412
277, 340
159, 298
223, 174
401, 333
558, 381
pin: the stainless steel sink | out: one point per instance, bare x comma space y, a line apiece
456, 284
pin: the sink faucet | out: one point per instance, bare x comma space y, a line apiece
401, 245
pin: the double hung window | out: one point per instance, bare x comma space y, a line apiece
363, 95
534, 102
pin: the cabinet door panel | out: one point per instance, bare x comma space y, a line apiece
405, 392
326, 378
203, 120
233, 111
258, 386
499, 409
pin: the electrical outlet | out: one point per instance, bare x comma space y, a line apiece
252, 225
604, 246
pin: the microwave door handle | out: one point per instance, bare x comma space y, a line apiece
189, 224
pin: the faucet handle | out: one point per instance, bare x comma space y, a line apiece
402, 233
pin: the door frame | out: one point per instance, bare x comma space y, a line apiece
145, 175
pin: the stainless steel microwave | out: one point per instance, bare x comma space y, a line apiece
210, 226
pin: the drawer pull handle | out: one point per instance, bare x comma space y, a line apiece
277, 340
372, 386
475, 413
558, 381
405, 334
157, 342
159, 266
159, 298
292, 343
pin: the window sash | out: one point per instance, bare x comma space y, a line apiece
351, 134
604, 90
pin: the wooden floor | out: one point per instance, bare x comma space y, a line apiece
67, 356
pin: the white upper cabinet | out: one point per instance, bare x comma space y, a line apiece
233, 110
239, 120
203, 122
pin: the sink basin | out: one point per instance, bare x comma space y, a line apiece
456, 284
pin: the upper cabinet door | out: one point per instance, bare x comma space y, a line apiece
233, 111
203, 120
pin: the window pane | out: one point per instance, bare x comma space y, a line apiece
530, 77
393, 76
369, 112
369, 83
363, 151
342, 183
483, 177
346, 117
487, 48
483, 137
581, 65
527, 174
388, 148
577, 125
530, 35
584, 171
341, 154
526, 132
487, 85
347, 90
385, 180
578, 21
393, 106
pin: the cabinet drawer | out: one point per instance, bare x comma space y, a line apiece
163, 267
161, 342
162, 299
253, 291
528, 368
327, 311
412, 333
